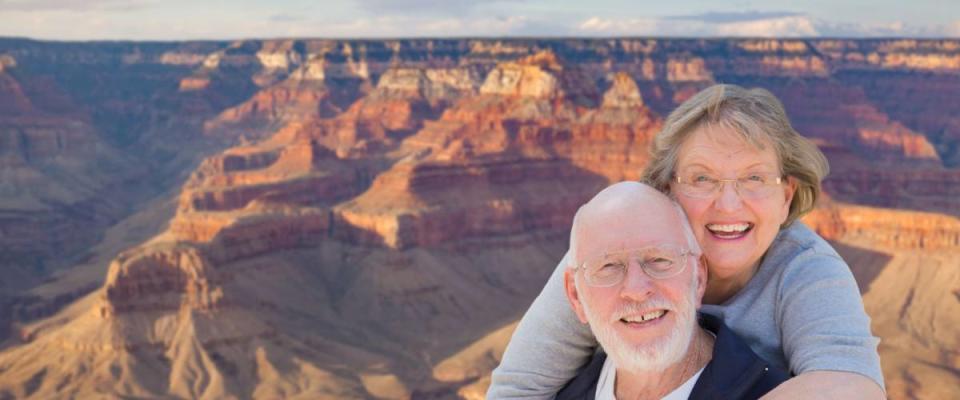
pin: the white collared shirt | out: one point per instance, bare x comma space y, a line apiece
608, 377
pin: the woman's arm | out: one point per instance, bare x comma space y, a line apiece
547, 349
826, 332
827, 385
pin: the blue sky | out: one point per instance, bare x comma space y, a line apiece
222, 19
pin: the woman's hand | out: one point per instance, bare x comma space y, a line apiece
827, 385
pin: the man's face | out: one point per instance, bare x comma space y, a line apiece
644, 324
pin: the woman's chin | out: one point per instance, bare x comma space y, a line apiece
730, 267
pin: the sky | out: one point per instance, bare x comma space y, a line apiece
242, 19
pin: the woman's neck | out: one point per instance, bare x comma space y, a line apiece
719, 290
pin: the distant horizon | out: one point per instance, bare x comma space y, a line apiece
186, 20
520, 38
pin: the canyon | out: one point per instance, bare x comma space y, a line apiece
370, 218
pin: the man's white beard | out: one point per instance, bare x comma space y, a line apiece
650, 357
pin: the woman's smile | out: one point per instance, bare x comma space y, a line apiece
734, 227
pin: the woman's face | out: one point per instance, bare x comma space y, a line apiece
734, 228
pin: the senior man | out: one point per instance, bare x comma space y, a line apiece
636, 278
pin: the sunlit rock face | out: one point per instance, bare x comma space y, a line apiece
903, 260
368, 219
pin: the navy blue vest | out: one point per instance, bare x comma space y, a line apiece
735, 372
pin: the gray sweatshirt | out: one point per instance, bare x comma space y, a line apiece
802, 311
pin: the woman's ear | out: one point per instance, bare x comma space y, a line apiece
789, 190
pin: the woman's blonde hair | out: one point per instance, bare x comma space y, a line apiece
759, 117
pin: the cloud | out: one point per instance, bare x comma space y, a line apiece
952, 29
543, 27
400, 26
630, 26
777, 26
890, 29
106, 19
752, 25
74, 5
286, 17
430, 7
793, 26
746, 16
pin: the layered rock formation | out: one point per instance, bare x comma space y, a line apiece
50, 189
453, 185
488, 154
905, 263
167, 91
887, 229
383, 206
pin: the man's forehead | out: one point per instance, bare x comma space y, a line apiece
626, 215
626, 194
610, 232
630, 202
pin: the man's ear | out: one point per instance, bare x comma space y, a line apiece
569, 283
702, 278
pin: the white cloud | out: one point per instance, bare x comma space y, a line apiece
595, 24
106, 19
751, 23
756, 24
498, 26
51, 25
74, 5
630, 26
433, 7
743, 16
952, 29
401, 26
776, 27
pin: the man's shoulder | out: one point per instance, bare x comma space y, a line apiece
584, 385
735, 371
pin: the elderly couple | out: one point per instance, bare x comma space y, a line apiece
701, 285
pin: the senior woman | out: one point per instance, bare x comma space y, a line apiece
743, 176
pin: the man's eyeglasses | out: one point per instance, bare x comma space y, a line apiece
658, 262
753, 186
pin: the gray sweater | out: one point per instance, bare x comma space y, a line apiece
802, 311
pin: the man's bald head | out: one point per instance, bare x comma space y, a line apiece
635, 277
627, 214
